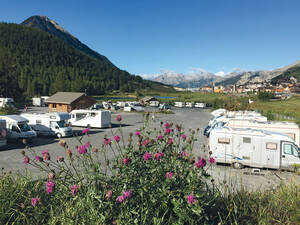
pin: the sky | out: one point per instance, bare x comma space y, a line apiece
145, 37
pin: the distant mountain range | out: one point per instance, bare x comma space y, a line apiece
199, 78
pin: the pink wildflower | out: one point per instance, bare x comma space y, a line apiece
157, 156
167, 125
147, 156
82, 149
183, 136
178, 128
34, 201
37, 158
170, 141
45, 152
137, 133
191, 199
146, 142
106, 141
169, 175
87, 144
49, 185
185, 154
127, 194
26, 160
121, 199
162, 154
74, 189
117, 138
212, 160
168, 131
85, 130
108, 194
126, 161
119, 118
160, 137
200, 163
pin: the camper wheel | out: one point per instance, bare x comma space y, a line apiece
58, 135
238, 165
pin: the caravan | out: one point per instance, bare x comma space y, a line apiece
90, 118
200, 105
49, 124
254, 148
179, 104
6, 102
17, 128
2, 133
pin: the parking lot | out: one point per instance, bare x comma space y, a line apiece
11, 158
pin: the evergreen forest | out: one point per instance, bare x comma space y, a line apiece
35, 63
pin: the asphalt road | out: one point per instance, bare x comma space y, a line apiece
11, 158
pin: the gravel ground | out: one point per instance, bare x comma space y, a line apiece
12, 160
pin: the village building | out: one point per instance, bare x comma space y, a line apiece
68, 101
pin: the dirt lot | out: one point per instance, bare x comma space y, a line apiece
12, 160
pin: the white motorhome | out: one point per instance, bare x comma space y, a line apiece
6, 102
49, 124
291, 129
2, 133
254, 148
179, 104
90, 118
218, 112
154, 103
133, 106
200, 105
17, 127
189, 105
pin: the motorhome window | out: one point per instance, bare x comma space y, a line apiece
54, 105
271, 146
295, 151
15, 129
223, 140
80, 116
292, 135
93, 114
288, 149
24, 127
246, 140
61, 123
38, 121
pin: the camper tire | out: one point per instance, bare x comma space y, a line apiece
238, 165
58, 135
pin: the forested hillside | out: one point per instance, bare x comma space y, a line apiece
37, 63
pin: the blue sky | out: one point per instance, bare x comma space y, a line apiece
146, 36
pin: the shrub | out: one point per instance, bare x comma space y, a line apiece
153, 178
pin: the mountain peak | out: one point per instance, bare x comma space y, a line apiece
50, 26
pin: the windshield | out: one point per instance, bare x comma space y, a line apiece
61, 123
24, 127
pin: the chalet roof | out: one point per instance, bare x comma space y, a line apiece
148, 98
64, 97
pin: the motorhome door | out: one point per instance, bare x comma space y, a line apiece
289, 155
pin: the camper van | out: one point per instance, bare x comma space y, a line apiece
200, 105
2, 133
49, 124
290, 129
17, 128
179, 104
90, 118
154, 103
189, 105
6, 102
254, 148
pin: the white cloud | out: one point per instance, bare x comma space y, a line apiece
220, 73
149, 76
